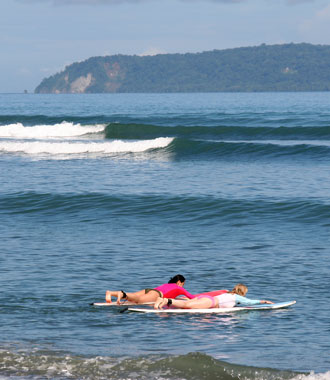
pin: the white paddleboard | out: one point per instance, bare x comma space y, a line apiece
125, 303
279, 305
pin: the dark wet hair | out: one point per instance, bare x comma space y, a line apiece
177, 278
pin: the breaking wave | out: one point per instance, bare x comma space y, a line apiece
61, 130
67, 139
69, 149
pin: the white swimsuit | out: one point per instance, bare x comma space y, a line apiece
231, 300
226, 300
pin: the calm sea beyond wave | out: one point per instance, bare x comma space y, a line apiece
123, 191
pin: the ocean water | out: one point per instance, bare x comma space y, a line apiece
123, 191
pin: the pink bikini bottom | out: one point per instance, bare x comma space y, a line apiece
209, 297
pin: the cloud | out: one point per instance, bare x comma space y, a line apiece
116, 2
316, 28
113, 2
324, 14
296, 2
317, 19
83, 2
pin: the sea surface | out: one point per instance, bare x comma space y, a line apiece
123, 191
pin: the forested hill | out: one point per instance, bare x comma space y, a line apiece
288, 67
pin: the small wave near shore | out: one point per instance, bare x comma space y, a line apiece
192, 366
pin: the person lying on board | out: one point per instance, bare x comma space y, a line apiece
172, 289
204, 301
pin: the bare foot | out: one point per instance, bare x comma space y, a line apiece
160, 303
108, 296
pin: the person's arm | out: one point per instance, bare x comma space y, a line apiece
246, 301
186, 294
249, 302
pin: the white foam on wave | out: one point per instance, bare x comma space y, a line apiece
277, 142
74, 148
64, 129
291, 143
314, 376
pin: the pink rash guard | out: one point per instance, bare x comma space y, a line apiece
173, 290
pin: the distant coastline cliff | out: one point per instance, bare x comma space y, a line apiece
288, 67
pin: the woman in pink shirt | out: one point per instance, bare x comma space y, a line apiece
172, 289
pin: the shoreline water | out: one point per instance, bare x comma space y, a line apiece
47, 364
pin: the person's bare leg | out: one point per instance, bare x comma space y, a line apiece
200, 303
195, 303
109, 294
142, 297
136, 297
119, 295
160, 303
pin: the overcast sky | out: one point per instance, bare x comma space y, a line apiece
40, 37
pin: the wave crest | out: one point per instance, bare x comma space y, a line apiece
179, 208
143, 131
64, 129
72, 149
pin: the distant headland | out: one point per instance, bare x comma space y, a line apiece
286, 67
